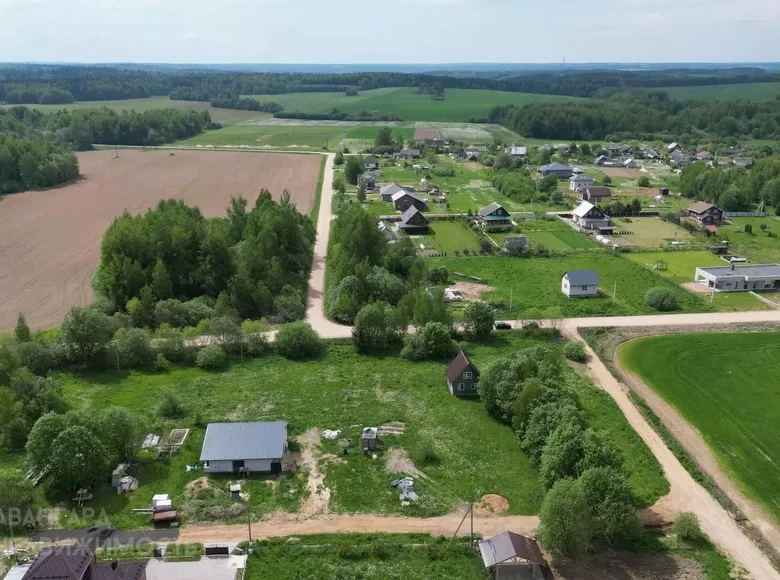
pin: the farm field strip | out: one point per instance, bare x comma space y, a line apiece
51, 239
724, 385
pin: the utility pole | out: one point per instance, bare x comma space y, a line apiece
614, 291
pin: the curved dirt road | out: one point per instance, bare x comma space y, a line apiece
685, 494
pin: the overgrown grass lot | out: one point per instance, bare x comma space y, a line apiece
534, 285
365, 556
725, 385
463, 452
459, 105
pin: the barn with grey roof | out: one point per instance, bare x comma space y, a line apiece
244, 447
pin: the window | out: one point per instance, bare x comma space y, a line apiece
206, 464
467, 375
460, 386
584, 287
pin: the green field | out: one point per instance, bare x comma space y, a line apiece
458, 106
535, 285
758, 246
650, 231
226, 116
745, 91
364, 556
447, 237
725, 385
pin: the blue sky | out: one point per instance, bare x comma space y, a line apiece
402, 31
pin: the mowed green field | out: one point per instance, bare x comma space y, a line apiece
725, 385
226, 116
745, 91
534, 285
459, 105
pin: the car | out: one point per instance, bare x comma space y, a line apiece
503, 326
530, 324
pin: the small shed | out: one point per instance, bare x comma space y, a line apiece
514, 557
370, 439
118, 474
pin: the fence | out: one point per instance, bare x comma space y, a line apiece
731, 214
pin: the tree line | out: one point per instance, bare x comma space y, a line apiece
34, 164
641, 115
36, 84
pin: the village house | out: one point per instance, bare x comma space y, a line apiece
429, 137
737, 278
705, 213
494, 215
407, 154
517, 151
462, 376
629, 163
704, 156
580, 182
557, 169
403, 200
743, 162
679, 158
580, 284
244, 448
604, 161
614, 149
370, 163
672, 147
472, 154
651, 154
80, 563
596, 194
413, 222
367, 181
511, 556
588, 216
385, 229
386, 192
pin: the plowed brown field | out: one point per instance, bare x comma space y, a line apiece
50, 240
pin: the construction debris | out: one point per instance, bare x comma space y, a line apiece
127, 483
330, 434
406, 485
151, 441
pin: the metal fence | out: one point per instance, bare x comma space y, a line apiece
732, 214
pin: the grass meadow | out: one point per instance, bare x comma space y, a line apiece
472, 454
226, 116
458, 106
744, 91
534, 285
725, 386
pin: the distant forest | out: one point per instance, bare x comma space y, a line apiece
49, 84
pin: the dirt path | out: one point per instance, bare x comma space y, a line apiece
685, 494
693, 442
315, 301
318, 501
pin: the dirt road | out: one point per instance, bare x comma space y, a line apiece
685, 493
315, 301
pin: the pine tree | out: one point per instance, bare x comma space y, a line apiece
22, 331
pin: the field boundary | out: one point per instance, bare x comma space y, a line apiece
102, 147
686, 442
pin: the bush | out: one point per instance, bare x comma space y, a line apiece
686, 526
376, 328
575, 351
661, 299
433, 342
135, 348
170, 407
162, 364
211, 358
643, 181
35, 356
298, 340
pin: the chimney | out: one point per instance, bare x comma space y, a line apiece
114, 565
732, 266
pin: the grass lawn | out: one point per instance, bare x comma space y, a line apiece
535, 285
364, 556
732, 400
651, 231
745, 91
458, 106
305, 137
450, 236
226, 116
758, 246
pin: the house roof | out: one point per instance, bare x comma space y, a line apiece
399, 194
672, 146
409, 152
459, 364
749, 272
390, 189
603, 158
123, 571
410, 213
701, 207
555, 167
518, 150
583, 209
66, 563
599, 191
237, 441
490, 209
703, 154
509, 545
370, 159
582, 277
581, 177
743, 161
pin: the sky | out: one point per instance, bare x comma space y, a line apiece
389, 31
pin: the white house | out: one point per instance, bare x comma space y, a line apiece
590, 217
244, 447
580, 183
580, 284
740, 278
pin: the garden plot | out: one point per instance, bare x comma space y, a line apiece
650, 232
